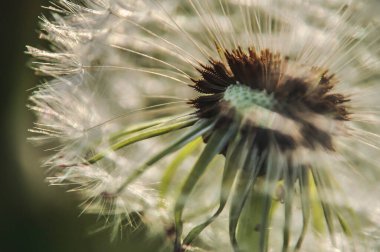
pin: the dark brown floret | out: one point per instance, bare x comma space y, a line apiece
295, 96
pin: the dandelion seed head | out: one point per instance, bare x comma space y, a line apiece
217, 122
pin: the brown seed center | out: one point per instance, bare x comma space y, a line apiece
302, 95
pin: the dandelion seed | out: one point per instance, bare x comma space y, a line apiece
226, 125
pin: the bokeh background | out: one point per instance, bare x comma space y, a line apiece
33, 215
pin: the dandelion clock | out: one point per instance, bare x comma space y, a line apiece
225, 125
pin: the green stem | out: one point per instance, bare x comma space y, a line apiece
203, 127
145, 134
215, 145
141, 126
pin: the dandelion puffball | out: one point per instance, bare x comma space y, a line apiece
226, 125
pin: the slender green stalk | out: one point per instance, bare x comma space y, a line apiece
145, 134
200, 129
215, 145
230, 170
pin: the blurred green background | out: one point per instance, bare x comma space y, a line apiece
33, 215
